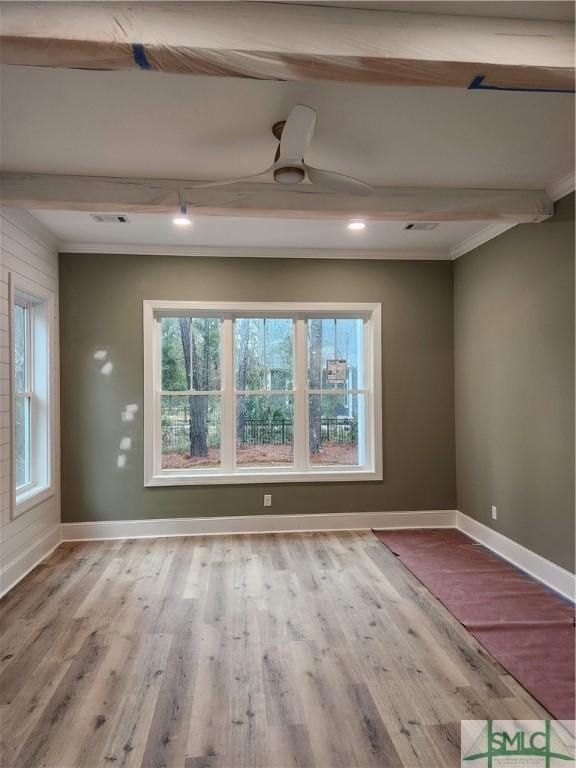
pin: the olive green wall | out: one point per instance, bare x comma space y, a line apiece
514, 369
101, 309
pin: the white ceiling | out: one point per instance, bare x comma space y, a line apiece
152, 229
177, 126
149, 124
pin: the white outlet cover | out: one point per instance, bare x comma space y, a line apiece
267, 499
494, 513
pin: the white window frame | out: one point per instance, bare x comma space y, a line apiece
302, 470
40, 352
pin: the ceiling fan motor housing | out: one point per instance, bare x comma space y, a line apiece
290, 174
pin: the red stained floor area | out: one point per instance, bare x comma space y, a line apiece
525, 626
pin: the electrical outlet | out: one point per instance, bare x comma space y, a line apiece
494, 513
267, 499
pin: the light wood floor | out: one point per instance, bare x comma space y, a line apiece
315, 650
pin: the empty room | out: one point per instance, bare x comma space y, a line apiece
287, 384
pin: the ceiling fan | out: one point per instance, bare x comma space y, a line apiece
290, 167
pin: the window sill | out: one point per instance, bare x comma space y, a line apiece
263, 477
31, 498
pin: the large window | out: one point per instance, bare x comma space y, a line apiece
261, 392
31, 432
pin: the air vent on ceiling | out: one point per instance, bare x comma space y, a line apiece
422, 226
109, 218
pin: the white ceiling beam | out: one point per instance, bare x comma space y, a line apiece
277, 41
94, 193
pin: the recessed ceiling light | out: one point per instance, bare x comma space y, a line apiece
181, 221
356, 226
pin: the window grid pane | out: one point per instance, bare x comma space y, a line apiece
22, 423
336, 433
190, 354
264, 430
264, 349
20, 351
190, 428
335, 353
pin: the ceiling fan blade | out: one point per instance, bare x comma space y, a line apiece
225, 183
296, 135
337, 181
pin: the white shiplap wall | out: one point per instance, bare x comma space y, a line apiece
27, 249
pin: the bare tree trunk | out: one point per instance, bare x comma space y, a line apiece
198, 404
241, 380
199, 425
314, 410
185, 329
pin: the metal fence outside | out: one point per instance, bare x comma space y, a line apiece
176, 432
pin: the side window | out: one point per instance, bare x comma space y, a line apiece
31, 421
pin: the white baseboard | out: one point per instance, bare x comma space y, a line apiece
26, 561
203, 526
555, 577
540, 568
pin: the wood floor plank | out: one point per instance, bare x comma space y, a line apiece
268, 651
48, 743
132, 719
18, 720
166, 743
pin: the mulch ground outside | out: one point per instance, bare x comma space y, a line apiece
264, 455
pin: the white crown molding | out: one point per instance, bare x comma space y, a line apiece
562, 187
555, 191
555, 577
479, 238
248, 252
